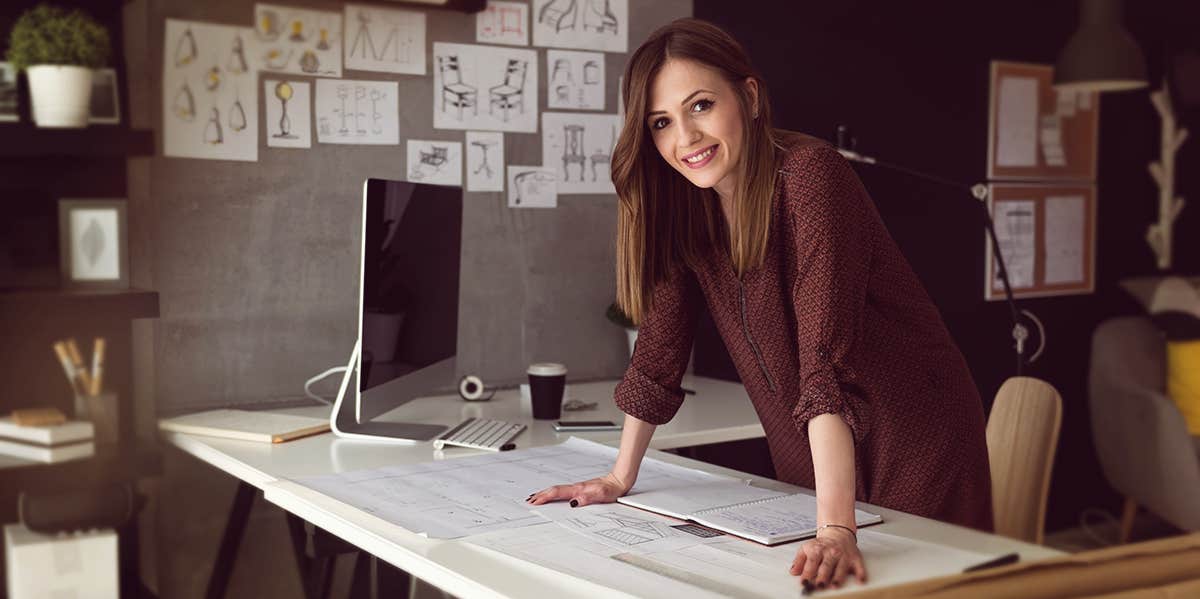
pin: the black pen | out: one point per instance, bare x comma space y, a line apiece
1003, 560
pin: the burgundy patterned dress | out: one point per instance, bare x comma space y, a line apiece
834, 321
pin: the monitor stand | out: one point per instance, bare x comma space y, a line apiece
388, 432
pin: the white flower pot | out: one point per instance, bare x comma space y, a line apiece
60, 94
631, 334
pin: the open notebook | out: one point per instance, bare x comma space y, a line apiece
762, 515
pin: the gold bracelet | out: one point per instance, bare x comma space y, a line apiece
845, 528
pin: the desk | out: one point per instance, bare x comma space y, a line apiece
720, 411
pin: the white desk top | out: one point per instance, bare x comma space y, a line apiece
720, 411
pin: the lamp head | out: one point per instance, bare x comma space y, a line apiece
1101, 55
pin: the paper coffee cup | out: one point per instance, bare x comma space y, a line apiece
547, 381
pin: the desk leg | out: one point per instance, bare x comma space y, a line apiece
235, 526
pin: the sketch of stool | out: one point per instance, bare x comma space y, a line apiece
483, 146
573, 150
600, 156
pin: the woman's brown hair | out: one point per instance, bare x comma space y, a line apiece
664, 222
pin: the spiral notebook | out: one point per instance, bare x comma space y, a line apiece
761, 515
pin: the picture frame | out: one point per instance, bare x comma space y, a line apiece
105, 105
93, 243
9, 103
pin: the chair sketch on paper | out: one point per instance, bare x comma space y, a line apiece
484, 145
530, 184
454, 91
511, 93
599, 16
601, 155
559, 14
573, 150
430, 163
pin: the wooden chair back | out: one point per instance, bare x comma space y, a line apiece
1022, 435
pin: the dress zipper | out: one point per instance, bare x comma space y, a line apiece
762, 365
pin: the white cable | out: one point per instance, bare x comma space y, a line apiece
309, 382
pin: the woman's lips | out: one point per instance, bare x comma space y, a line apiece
709, 153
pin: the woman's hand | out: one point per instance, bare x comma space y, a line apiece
827, 560
605, 489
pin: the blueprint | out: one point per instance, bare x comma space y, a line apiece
453, 498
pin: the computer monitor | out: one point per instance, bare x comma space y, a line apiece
408, 306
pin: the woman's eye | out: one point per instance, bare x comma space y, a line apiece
702, 105
659, 123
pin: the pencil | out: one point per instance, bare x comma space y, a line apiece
60, 350
80, 370
97, 365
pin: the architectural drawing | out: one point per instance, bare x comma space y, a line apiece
357, 112
575, 80
484, 87
297, 40
503, 23
436, 162
582, 24
289, 113
579, 147
384, 39
485, 161
210, 92
531, 187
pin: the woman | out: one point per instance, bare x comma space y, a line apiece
860, 389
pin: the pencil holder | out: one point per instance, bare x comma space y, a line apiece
102, 411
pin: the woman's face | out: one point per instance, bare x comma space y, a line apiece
695, 121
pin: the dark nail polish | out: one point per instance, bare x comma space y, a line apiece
808, 586
821, 586
574, 503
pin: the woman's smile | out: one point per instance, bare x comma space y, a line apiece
701, 157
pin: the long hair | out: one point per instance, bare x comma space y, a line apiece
664, 222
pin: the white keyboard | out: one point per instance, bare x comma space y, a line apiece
480, 433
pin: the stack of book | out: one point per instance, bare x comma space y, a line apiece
53, 443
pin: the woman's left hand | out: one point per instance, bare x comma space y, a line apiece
828, 559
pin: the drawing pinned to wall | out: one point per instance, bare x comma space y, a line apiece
436, 162
210, 94
357, 112
484, 87
1016, 230
384, 39
297, 40
583, 24
531, 187
485, 161
575, 79
289, 113
579, 148
503, 23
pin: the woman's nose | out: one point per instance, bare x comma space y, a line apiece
688, 134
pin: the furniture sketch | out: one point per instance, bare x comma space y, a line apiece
563, 93
1141, 439
529, 183
454, 91
599, 16
483, 146
600, 156
511, 93
1022, 435
573, 150
562, 66
496, 20
434, 159
559, 14
591, 73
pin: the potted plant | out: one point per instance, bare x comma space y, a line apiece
58, 50
618, 317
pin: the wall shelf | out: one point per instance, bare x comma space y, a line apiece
24, 140
124, 304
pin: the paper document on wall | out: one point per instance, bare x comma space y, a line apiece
1016, 226
1065, 220
458, 497
1017, 122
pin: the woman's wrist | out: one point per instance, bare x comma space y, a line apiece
624, 483
831, 528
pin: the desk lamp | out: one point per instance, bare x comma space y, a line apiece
978, 191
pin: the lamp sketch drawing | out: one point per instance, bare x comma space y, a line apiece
283, 91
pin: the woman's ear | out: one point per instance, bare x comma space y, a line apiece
751, 85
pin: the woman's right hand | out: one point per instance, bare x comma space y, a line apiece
605, 489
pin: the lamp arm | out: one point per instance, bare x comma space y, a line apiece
980, 192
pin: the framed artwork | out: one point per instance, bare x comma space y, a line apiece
8, 93
93, 243
1047, 233
106, 102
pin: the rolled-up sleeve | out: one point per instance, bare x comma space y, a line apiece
650, 391
834, 240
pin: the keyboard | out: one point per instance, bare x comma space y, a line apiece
480, 433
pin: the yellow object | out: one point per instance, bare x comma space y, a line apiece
283, 91
1183, 380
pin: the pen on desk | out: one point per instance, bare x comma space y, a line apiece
1003, 560
97, 365
688, 391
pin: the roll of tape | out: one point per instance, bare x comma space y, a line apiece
470, 388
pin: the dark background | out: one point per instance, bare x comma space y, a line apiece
911, 80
